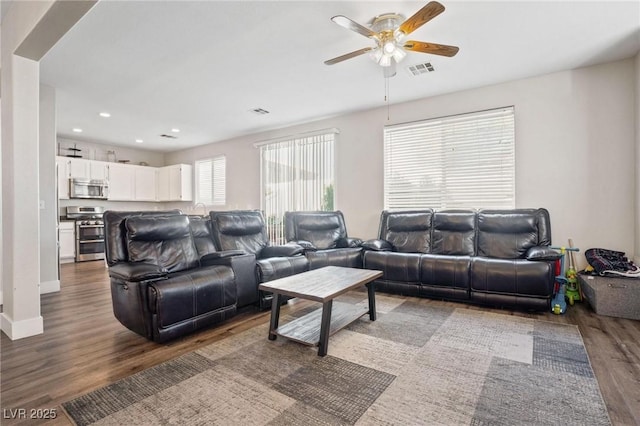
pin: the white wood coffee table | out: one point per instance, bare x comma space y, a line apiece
320, 285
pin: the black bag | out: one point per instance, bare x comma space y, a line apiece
610, 262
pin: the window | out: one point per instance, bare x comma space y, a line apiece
296, 174
211, 181
461, 161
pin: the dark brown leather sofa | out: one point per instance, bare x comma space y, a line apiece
496, 257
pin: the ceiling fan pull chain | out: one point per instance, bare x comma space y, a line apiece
386, 95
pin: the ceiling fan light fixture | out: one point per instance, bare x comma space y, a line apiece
385, 60
389, 47
399, 54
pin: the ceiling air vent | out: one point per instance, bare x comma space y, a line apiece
259, 111
164, 135
419, 69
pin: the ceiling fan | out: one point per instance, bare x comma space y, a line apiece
388, 31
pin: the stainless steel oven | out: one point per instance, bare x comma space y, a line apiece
89, 232
89, 240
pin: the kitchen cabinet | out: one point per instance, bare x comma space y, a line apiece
85, 169
121, 182
67, 241
145, 183
62, 164
175, 183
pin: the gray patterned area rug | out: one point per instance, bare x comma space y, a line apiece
417, 364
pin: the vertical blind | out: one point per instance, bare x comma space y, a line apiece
461, 161
296, 174
211, 181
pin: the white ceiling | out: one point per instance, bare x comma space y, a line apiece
201, 66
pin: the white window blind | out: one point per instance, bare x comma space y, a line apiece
296, 174
211, 181
462, 161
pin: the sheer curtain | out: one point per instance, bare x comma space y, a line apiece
297, 173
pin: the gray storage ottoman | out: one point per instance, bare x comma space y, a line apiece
612, 296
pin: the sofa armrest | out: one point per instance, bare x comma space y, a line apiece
306, 245
215, 257
287, 250
542, 253
377, 245
137, 271
349, 243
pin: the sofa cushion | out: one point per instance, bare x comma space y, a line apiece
408, 232
322, 229
506, 234
201, 232
346, 257
454, 233
515, 276
239, 230
445, 271
401, 267
161, 240
115, 241
279, 267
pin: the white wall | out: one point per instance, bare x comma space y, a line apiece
637, 115
98, 151
49, 280
575, 139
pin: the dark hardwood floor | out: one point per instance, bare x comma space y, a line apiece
84, 348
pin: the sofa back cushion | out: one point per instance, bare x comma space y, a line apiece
454, 232
115, 241
407, 231
165, 241
322, 229
201, 232
508, 234
239, 230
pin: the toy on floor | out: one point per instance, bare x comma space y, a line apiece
573, 292
562, 284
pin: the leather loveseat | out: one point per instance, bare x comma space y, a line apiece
160, 289
323, 235
497, 257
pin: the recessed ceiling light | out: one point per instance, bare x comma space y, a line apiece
77, 130
174, 130
105, 114
139, 141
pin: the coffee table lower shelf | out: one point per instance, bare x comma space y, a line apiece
306, 329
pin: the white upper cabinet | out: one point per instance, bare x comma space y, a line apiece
175, 183
121, 182
87, 169
145, 183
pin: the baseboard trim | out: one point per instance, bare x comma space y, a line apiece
49, 286
20, 329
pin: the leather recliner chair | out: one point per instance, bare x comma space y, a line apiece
246, 231
323, 235
159, 288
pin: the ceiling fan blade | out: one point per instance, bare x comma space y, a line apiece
348, 56
421, 17
436, 49
349, 24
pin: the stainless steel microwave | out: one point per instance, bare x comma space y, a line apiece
88, 188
